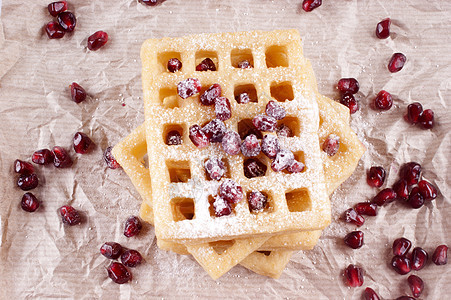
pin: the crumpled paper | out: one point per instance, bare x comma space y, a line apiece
42, 258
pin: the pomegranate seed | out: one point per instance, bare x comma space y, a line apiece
426, 120
222, 109
250, 146
427, 190
215, 130
119, 273
275, 110
132, 226
284, 159
416, 200
108, 157
270, 145
416, 285
23, 167
152, 2
354, 239
397, 62
401, 189
401, 264
264, 123
354, 275
81, 143
210, 95
215, 168
370, 294
411, 172
198, 137
174, 65
401, 246
414, 112
54, 30
173, 138
440, 256
27, 182
351, 216
284, 130
384, 197
349, 101
67, 20
419, 258
62, 158
245, 64
366, 208
296, 167
383, 101
405, 298
231, 143
77, 93
188, 87
309, 5
29, 202
69, 215
331, 144
97, 40
111, 250
131, 258
383, 28
257, 201
57, 7
43, 157
376, 177
348, 85
230, 191
222, 207
206, 65
243, 98
254, 168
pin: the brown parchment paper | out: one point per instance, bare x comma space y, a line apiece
41, 258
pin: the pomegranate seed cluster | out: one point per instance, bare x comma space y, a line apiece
348, 87
417, 116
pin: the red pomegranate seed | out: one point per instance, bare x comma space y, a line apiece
405, 298
348, 85
309, 5
131, 258
111, 250
173, 138
152, 2
427, 119
174, 65
349, 101
69, 215
354, 275
416, 285
383, 28
376, 176
383, 101
67, 20
245, 64
254, 168
414, 112
230, 191
401, 246
419, 258
211, 94
416, 200
221, 206
54, 30
231, 143
284, 131
351, 216
23, 167
296, 167
57, 7
366, 208
270, 145
43, 157
397, 62
257, 201
188, 87
214, 168
206, 65
81, 143
354, 239
97, 40
401, 189
331, 144
427, 190
77, 93
62, 158
411, 172
108, 157
222, 109
401, 264
384, 197
29, 202
440, 256
132, 226
119, 273
243, 98
198, 137
250, 147
264, 123
275, 110
370, 294
27, 182
215, 130
284, 159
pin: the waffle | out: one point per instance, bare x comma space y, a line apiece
267, 263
